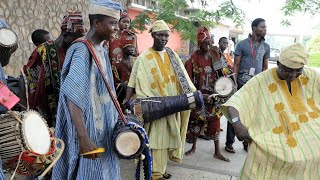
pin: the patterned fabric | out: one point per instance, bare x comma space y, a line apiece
105, 7
200, 70
284, 126
153, 77
124, 15
294, 56
159, 25
82, 84
202, 34
121, 72
43, 73
119, 41
73, 23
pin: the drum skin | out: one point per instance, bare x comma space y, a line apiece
120, 129
8, 45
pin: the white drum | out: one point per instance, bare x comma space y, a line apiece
25, 135
8, 45
224, 86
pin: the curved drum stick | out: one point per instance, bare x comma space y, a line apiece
61, 150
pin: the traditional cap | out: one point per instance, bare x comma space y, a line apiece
73, 23
159, 25
128, 38
124, 15
3, 24
294, 56
105, 7
202, 34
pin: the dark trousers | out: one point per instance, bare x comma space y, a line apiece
230, 132
230, 135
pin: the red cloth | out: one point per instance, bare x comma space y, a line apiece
124, 15
119, 41
203, 76
121, 72
43, 84
73, 23
202, 34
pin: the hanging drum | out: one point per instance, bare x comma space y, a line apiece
224, 87
8, 44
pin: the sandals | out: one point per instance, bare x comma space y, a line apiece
230, 149
166, 175
205, 137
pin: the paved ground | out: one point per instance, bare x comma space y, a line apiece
201, 165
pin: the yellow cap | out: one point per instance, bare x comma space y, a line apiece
294, 56
159, 25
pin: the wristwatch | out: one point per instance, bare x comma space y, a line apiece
234, 120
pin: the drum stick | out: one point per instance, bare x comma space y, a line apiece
212, 96
231, 74
55, 159
96, 151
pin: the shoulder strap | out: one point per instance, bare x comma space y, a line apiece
96, 60
177, 68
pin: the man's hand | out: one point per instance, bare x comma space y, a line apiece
86, 145
241, 132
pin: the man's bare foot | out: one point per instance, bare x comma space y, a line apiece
190, 152
219, 156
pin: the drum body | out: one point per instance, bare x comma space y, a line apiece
25, 140
8, 44
128, 142
153, 108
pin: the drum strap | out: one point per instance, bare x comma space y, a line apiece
96, 60
177, 68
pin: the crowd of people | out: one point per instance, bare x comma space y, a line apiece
273, 111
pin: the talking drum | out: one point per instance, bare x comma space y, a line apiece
153, 108
128, 141
8, 44
224, 87
25, 142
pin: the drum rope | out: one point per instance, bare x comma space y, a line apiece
96, 60
61, 150
15, 170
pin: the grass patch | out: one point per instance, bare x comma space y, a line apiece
314, 60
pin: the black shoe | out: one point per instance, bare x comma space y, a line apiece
245, 146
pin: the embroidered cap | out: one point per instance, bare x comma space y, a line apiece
202, 34
73, 23
105, 7
159, 25
294, 56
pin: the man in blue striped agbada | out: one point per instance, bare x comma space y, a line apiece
86, 114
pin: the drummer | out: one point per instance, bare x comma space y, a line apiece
3, 110
200, 70
43, 71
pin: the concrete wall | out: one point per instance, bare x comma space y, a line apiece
24, 16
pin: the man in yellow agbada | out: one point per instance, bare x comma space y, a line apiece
278, 112
154, 76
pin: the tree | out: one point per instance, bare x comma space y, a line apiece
167, 11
